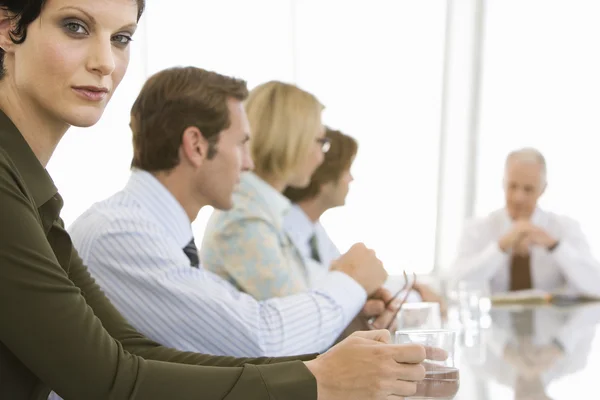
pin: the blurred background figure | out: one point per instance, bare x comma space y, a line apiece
522, 246
328, 188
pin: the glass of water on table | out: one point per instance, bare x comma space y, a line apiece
442, 377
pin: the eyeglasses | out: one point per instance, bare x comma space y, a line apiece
408, 287
325, 143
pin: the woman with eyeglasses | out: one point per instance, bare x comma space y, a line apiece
247, 245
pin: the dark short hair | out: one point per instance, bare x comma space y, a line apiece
337, 160
171, 101
27, 11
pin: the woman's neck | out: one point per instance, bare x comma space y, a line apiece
278, 184
41, 131
312, 208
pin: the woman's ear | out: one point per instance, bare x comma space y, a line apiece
7, 25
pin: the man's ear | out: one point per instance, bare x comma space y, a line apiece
7, 25
194, 146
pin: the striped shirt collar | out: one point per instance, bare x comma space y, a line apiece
154, 197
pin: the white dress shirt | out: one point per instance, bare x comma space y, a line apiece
132, 244
300, 229
570, 265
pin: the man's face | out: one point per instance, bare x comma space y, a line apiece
523, 186
333, 194
221, 174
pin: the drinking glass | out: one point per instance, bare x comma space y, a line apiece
473, 346
442, 378
423, 315
474, 303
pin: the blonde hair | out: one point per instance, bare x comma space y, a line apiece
284, 121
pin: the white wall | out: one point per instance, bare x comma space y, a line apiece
377, 66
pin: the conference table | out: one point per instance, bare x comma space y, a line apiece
531, 353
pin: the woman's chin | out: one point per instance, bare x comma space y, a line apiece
84, 119
299, 182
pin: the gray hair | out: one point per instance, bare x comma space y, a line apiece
529, 155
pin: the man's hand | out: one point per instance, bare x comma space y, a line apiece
366, 366
514, 356
531, 361
523, 235
522, 247
540, 237
516, 234
375, 308
543, 357
362, 265
428, 295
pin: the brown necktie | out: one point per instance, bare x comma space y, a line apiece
520, 272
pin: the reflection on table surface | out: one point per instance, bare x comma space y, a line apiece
532, 353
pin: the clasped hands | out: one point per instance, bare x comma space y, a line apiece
523, 235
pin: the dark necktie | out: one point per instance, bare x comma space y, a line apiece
314, 248
520, 279
191, 252
520, 272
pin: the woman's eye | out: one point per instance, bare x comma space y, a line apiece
122, 39
74, 27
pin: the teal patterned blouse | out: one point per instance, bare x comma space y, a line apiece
248, 244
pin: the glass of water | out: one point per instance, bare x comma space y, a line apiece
474, 302
442, 378
423, 315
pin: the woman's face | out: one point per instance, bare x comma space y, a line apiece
74, 57
314, 158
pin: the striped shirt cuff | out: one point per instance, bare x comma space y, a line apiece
345, 291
